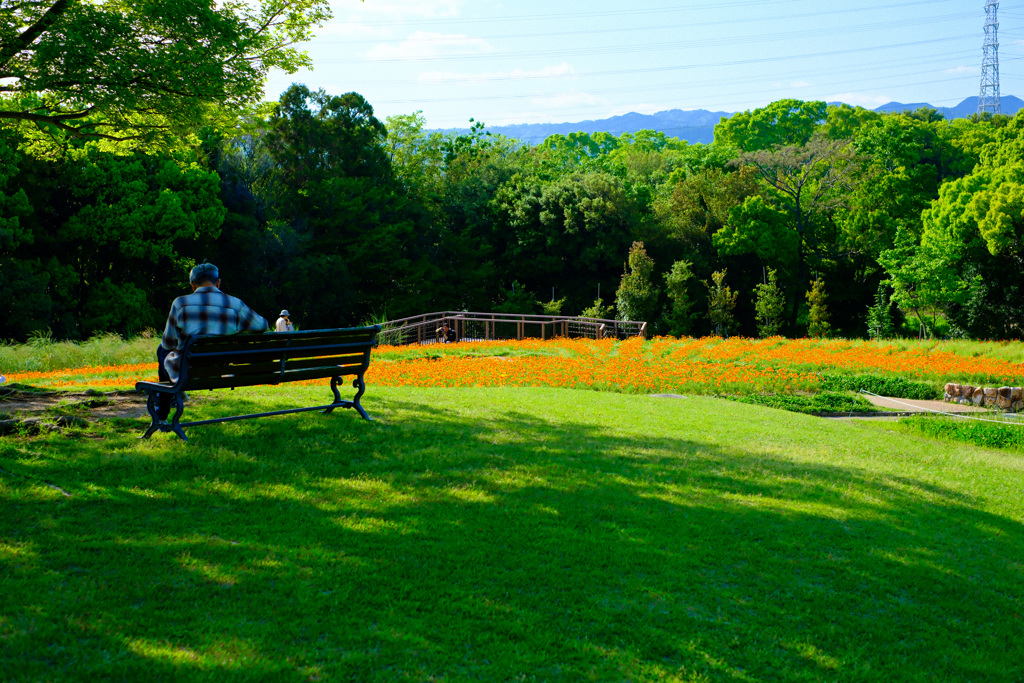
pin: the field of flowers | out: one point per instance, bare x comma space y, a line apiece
705, 365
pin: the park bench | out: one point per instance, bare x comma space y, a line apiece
245, 360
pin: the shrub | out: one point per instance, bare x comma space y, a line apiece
825, 402
895, 387
988, 434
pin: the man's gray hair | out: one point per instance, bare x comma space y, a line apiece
204, 272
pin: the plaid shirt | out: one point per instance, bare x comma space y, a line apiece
206, 311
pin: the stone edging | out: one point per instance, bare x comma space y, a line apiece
1010, 399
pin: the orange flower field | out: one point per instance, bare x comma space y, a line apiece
664, 364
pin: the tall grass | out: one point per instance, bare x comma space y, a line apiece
43, 354
1011, 350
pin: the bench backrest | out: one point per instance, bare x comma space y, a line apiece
242, 360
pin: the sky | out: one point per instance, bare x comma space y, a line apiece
541, 61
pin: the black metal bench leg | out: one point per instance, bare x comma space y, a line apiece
151, 407
359, 384
341, 403
179, 408
338, 403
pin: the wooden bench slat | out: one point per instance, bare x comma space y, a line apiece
205, 367
243, 371
256, 379
282, 339
321, 348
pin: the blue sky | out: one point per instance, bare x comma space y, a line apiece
536, 61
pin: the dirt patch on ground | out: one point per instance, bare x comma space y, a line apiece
89, 404
22, 409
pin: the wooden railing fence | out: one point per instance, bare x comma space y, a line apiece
423, 329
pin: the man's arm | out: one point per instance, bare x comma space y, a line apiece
170, 337
251, 321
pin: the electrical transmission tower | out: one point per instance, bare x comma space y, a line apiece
988, 99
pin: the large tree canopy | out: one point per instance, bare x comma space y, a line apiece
122, 68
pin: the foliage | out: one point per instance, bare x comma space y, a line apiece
677, 280
892, 386
598, 310
813, 404
721, 302
880, 319
106, 245
782, 123
130, 69
754, 227
518, 299
817, 317
770, 306
991, 433
337, 188
314, 205
553, 307
637, 296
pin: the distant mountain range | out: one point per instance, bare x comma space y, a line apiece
697, 126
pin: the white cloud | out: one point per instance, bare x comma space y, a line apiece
424, 45
858, 99
961, 70
562, 70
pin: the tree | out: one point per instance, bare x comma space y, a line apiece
637, 297
770, 306
808, 184
598, 310
757, 228
880, 320
817, 317
679, 317
571, 231
967, 260
359, 229
518, 300
784, 123
721, 302
130, 68
15, 205
107, 241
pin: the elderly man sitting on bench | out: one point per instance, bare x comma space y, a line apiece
207, 310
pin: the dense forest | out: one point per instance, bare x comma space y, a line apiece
800, 218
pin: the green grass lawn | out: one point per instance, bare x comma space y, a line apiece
509, 535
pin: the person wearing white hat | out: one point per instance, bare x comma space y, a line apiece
284, 323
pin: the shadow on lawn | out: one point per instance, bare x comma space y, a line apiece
431, 545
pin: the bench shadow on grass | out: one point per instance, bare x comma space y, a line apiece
434, 545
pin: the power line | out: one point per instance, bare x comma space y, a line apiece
718, 6
471, 79
658, 27
632, 89
672, 45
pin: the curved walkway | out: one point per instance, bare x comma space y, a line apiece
915, 406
